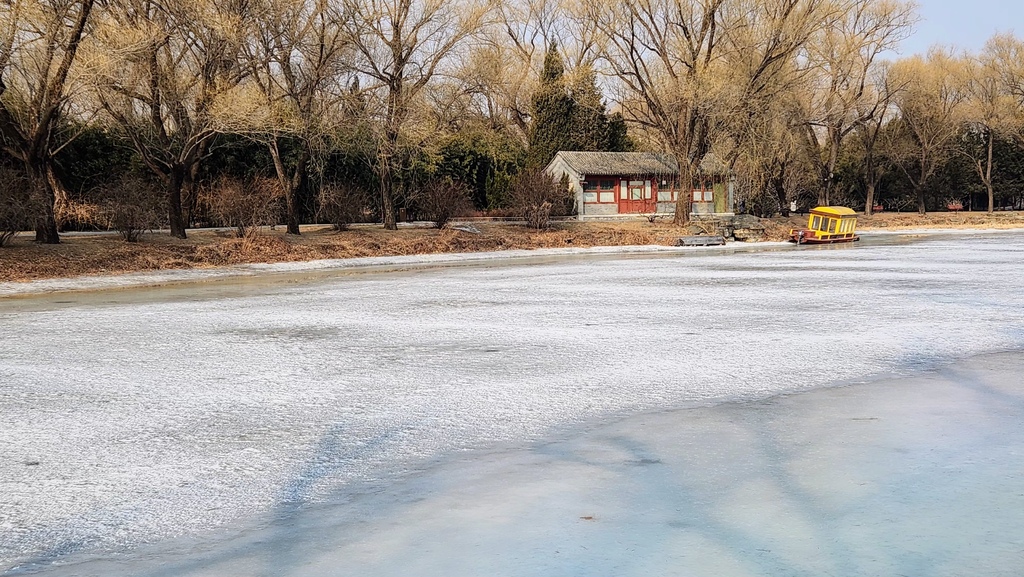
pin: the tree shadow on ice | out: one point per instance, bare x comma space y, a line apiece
655, 480
331, 456
675, 492
281, 548
47, 557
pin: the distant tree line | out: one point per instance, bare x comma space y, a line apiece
184, 113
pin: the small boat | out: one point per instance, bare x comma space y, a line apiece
826, 225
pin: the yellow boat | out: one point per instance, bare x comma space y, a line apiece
827, 224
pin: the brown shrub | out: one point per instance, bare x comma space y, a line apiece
537, 198
16, 204
340, 204
443, 199
245, 205
131, 206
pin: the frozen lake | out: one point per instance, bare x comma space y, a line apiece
566, 416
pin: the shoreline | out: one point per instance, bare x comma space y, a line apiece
400, 263
101, 254
383, 264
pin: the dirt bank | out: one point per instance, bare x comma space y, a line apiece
82, 254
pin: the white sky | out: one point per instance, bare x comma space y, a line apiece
963, 24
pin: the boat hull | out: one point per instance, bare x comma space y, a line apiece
809, 237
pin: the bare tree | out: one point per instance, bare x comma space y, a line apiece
297, 56
40, 40
442, 199
536, 197
768, 152
874, 113
842, 57
402, 45
1007, 56
171, 62
341, 204
930, 108
991, 109
503, 70
684, 65
244, 204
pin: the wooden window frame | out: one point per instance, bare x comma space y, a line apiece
599, 189
672, 188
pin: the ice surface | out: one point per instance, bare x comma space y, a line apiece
190, 412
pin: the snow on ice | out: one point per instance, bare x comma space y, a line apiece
160, 415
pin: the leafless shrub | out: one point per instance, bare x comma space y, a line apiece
245, 205
756, 199
537, 198
15, 204
442, 199
340, 204
901, 202
76, 214
131, 206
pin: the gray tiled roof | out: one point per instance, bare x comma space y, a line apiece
627, 163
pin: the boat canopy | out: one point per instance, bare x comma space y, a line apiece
834, 211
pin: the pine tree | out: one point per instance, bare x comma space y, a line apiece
618, 137
571, 116
552, 109
589, 119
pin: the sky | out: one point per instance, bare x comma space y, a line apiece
965, 24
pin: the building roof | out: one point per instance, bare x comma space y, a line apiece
630, 163
619, 163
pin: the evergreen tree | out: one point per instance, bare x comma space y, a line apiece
571, 116
618, 138
589, 122
552, 109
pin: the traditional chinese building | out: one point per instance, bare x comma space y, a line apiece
608, 183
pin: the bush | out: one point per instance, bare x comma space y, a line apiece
340, 204
536, 198
245, 205
131, 206
442, 199
15, 204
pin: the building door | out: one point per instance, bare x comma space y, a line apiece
636, 196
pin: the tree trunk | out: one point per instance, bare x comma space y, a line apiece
175, 179
869, 205
387, 179
396, 115
869, 180
835, 141
291, 184
190, 195
683, 198
46, 222
61, 197
294, 186
988, 174
387, 198
823, 199
920, 199
780, 193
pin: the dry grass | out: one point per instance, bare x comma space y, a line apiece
106, 254
77, 255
